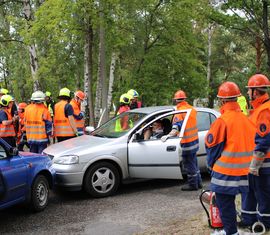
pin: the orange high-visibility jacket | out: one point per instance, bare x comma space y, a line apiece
191, 131
61, 123
7, 130
35, 117
238, 134
77, 110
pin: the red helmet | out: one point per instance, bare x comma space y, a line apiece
228, 90
22, 105
257, 81
179, 95
80, 95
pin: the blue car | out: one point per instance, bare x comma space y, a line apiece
24, 177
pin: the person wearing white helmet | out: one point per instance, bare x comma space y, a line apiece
38, 123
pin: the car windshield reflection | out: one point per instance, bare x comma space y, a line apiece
119, 125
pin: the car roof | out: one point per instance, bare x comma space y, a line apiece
152, 109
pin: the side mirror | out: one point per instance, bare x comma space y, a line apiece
89, 129
13, 151
137, 137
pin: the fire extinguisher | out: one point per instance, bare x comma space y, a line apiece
214, 219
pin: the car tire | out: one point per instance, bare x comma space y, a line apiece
39, 193
101, 180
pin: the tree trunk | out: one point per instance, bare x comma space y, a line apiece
31, 48
266, 31
88, 69
111, 80
101, 91
258, 47
209, 77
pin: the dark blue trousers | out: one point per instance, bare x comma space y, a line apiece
37, 148
190, 163
256, 203
226, 206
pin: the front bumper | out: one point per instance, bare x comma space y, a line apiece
69, 177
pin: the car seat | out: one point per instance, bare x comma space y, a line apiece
167, 126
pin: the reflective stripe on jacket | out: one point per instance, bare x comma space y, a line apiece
7, 130
35, 117
61, 123
79, 122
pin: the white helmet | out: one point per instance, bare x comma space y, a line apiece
38, 97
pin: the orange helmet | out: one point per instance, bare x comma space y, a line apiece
228, 90
258, 81
22, 105
179, 95
80, 95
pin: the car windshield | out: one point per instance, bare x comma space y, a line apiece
119, 125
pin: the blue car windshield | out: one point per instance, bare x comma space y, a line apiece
119, 125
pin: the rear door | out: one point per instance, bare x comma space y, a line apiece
13, 178
204, 121
154, 158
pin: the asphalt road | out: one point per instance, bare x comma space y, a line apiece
136, 208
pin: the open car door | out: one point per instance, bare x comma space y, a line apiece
154, 158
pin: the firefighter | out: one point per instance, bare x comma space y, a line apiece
229, 146
13, 109
21, 135
64, 123
77, 103
189, 143
256, 203
38, 123
135, 103
123, 123
49, 102
241, 100
7, 130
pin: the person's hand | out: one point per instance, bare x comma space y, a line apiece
254, 171
164, 138
256, 163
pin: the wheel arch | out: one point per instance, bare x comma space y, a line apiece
114, 163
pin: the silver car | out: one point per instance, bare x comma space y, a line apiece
99, 162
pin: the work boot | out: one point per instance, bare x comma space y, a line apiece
200, 186
187, 187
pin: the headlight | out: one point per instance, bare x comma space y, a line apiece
67, 160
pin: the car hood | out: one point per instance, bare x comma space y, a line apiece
77, 145
28, 156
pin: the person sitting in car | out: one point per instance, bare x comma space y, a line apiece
156, 132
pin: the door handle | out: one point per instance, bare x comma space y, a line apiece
171, 148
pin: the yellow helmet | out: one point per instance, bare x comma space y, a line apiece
64, 92
47, 93
133, 93
6, 99
125, 98
3, 91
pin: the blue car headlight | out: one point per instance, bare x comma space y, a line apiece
67, 160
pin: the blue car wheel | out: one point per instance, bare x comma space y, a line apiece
40, 193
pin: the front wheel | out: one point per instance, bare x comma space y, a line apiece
39, 193
101, 180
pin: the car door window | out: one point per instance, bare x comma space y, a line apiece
212, 117
3, 153
203, 121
